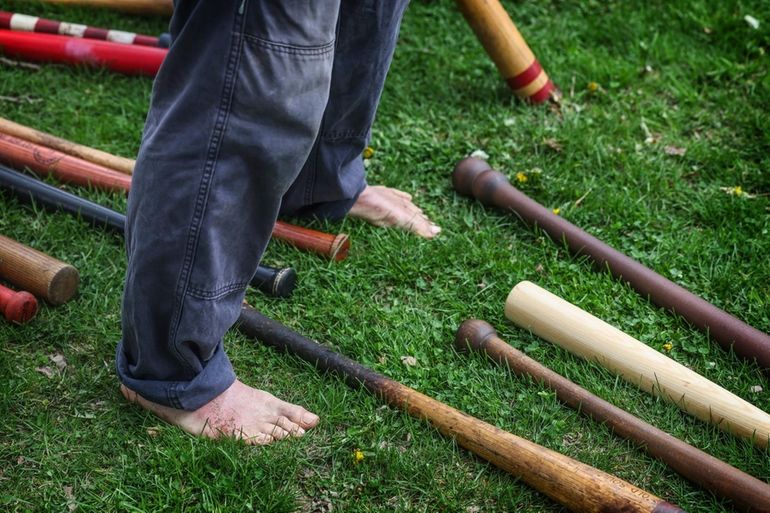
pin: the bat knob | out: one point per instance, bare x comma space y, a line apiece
20, 307
465, 173
284, 282
473, 334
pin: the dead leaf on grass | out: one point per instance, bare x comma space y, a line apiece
409, 361
675, 151
59, 360
46, 371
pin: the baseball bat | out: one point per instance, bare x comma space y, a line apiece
26, 23
127, 59
746, 492
20, 153
36, 272
508, 49
95, 156
473, 177
579, 332
579, 487
333, 247
271, 281
17, 307
161, 7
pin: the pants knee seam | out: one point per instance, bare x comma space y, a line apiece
215, 143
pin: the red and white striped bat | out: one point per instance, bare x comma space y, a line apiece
26, 23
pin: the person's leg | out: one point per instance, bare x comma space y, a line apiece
332, 182
234, 113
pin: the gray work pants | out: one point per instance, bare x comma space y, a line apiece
261, 108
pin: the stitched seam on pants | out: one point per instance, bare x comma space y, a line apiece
217, 293
320, 50
344, 134
215, 143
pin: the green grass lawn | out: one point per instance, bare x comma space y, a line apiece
671, 76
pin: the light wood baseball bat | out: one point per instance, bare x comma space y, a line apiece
36, 272
160, 7
17, 306
508, 49
66, 168
579, 332
579, 487
747, 493
473, 177
99, 157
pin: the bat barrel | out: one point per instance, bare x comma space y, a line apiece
508, 49
473, 177
27, 189
127, 59
25, 23
102, 158
579, 487
40, 274
17, 307
579, 332
334, 247
20, 153
745, 492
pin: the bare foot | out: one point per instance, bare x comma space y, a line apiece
240, 412
383, 206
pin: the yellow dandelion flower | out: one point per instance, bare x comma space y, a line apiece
358, 456
668, 346
368, 152
521, 177
592, 86
738, 190
556, 211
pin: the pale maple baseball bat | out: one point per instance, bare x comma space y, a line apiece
564, 324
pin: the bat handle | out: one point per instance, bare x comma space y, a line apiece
275, 282
18, 307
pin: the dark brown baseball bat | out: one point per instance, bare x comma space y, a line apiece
23, 146
271, 281
36, 272
577, 486
17, 306
473, 177
745, 492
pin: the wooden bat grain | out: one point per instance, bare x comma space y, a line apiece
93, 155
36, 272
746, 492
558, 321
20, 153
579, 487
